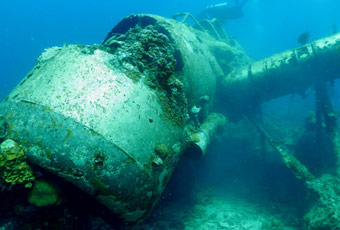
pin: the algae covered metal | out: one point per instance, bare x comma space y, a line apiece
292, 71
114, 119
111, 118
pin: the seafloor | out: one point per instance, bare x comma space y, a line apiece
216, 209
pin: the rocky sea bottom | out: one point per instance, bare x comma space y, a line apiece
217, 210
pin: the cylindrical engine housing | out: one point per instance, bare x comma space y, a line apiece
109, 118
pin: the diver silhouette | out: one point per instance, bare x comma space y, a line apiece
223, 11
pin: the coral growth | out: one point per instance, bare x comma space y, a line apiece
13, 166
146, 54
44, 193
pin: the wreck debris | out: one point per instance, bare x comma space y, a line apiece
286, 73
325, 213
200, 139
110, 118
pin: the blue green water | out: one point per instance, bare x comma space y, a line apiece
28, 27
234, 166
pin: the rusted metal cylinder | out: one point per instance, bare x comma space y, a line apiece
292, 71
200, 139
109, 118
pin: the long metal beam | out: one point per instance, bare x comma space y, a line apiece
289, 72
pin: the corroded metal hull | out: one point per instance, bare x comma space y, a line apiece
111, 118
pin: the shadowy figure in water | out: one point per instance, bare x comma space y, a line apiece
303, 38
223, 11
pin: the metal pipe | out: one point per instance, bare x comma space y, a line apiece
200, 139
289, 72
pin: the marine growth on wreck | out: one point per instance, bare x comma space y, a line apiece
115, 135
